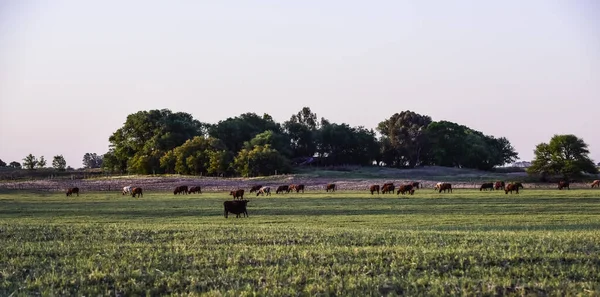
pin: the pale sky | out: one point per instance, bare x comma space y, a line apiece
71, 71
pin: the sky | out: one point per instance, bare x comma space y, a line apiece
71, 71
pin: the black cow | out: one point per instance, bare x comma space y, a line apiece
180, 190
486, 186
236, 207
72, 191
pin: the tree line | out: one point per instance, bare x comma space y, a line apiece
31, 162
162, 141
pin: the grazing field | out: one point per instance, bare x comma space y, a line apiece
539, 242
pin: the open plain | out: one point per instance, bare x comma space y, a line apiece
540, 242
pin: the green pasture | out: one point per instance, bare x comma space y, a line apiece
539, 243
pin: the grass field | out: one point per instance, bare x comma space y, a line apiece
540, 242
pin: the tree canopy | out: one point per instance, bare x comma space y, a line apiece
59, 163
565, 155
161, 141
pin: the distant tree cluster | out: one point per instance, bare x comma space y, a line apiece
565, 155
161, 141
30, 162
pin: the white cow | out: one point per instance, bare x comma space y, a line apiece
263, 191
127, 190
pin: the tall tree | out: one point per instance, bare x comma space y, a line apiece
147, 135
59, 163
92, 160
404, 135
15, 165
566, 155
30, 161
454, 145
41, 162
345, 145
235, 131
2, 163
302, 129
277, 141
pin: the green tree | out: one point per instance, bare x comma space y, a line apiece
30, 162
92, 160
302, 128
262, 160
565, 155
278, 141
41, 162
454, 145
147, 136
340, 144
404, 138
193, 157
233, 132
2, 163
111, 163
15, 165
59, 163
220, 162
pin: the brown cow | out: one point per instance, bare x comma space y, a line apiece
195, 189
415, 185
237, 207
406, 188
445, 186
180, 190
330, 187
519, 185
486, 186
512, 187
255, 188
499, 185
563, 184
596, 184
72, 191
374, 188
136, 191
299, 188
282, 189
388, 188
237, 194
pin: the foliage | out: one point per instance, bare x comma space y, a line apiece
59, 163
403, 135
30, 162
92, 160
15, 164
261, 160
147, 135
2, 163
566, 155
278, 141
455, 145
233, 132
317, 244
342, 144
111, 163
196, 156
301, 129
147, 143
41, 163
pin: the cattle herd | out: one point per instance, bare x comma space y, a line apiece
238, 204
